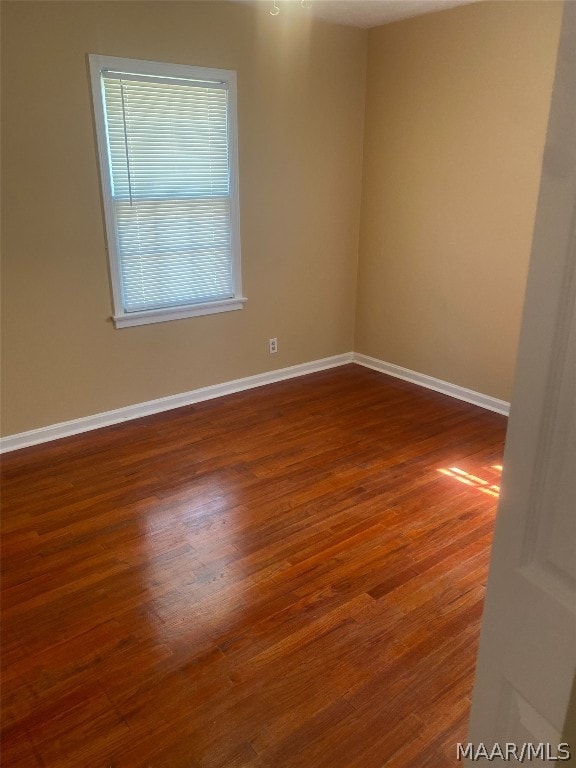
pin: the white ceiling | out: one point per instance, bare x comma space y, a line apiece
369, 13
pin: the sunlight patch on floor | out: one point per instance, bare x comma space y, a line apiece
485, 486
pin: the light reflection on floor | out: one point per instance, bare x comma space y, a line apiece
191, 557
479, 483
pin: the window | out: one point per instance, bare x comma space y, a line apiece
167, 142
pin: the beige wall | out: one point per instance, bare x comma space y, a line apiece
456, 112
301, 107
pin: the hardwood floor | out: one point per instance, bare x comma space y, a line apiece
281, 577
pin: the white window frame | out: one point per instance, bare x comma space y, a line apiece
122, 318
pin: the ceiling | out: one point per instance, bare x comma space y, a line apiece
372, 13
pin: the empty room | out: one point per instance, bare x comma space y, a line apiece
288, 383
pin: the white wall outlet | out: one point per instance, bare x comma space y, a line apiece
272, 346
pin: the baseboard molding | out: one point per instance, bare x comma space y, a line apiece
106, 419
88, 423
453, 390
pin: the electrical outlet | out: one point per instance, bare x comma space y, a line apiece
272, 346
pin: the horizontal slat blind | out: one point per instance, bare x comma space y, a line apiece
169, 167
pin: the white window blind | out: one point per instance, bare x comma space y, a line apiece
171, 191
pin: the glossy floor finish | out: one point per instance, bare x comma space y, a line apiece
289, 576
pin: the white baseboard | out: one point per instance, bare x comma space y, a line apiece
460, 393
87, 423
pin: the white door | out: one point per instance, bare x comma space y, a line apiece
525, 688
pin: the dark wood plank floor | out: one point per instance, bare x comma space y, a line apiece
289, 576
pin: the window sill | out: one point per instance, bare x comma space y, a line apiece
176, 313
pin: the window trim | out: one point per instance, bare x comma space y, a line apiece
121, 318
